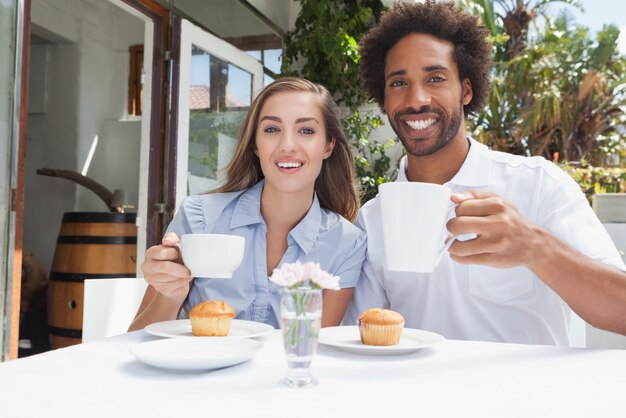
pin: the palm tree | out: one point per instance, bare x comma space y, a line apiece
512, 18
581, 101
557, 94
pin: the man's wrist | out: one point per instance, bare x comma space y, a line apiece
544, 251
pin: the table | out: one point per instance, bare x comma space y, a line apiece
453, 378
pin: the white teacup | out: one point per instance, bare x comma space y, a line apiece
413, 219
214, 256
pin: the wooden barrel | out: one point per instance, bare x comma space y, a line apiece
91, 245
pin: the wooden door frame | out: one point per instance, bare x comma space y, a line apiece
172, 142
156, 215
17, 193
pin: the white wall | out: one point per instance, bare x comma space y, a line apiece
82, 78
50, 142
597, 338
282, 13
228, 18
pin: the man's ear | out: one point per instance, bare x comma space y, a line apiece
468, 93
330, 146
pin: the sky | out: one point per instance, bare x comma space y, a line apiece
600, 12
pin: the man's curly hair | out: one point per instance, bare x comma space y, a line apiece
472, 50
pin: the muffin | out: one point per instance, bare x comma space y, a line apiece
211, 318
380, 327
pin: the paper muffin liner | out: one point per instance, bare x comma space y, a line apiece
215, 327
380, 334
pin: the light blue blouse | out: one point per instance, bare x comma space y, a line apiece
322, 236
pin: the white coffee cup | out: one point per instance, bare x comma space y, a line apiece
214, 256
413, 219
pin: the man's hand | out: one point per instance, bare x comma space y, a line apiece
504, 238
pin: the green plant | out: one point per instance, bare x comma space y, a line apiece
557, 91
204, 140
372, 164
323, 47
593, 180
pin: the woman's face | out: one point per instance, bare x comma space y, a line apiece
291, 142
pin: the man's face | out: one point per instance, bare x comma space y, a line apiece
424, 97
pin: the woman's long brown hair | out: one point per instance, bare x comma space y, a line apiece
335, 186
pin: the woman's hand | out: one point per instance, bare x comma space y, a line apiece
164, 270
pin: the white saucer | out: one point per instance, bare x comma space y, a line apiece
347, 338
182, 328
196, 353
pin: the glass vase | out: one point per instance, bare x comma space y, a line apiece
300, 320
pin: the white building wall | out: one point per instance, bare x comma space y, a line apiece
79, 83
282, 13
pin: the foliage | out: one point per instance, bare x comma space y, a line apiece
323, 47
559, 94
326, 35
203, 139
372, 164
595, 180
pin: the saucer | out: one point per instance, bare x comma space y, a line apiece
196, 353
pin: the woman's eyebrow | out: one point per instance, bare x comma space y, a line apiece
274, 118
300, 120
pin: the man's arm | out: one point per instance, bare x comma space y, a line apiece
594, 290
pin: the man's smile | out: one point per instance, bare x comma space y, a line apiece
420, 124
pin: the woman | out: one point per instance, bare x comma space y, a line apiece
290, 192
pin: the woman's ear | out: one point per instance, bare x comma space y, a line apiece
330, 146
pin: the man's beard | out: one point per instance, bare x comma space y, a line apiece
416, 147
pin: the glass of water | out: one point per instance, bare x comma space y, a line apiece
300, 320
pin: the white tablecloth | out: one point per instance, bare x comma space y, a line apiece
454, 378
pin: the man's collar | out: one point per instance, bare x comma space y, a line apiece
474, 171
248, 212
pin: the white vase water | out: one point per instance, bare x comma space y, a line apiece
300, 321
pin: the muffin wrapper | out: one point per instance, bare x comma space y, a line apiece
380, 334
217, 327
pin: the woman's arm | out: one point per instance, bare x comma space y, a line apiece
169, 282
334, 305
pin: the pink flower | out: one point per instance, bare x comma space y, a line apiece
320, 277
298, 274
289, 274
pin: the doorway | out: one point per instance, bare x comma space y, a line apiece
79, 121
86, 86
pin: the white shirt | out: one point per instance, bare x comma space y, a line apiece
475, 302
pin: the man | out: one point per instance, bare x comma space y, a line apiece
538, 248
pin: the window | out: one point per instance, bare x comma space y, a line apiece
265, 48
135, 80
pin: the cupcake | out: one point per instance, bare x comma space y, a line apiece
211, 318
380, 327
